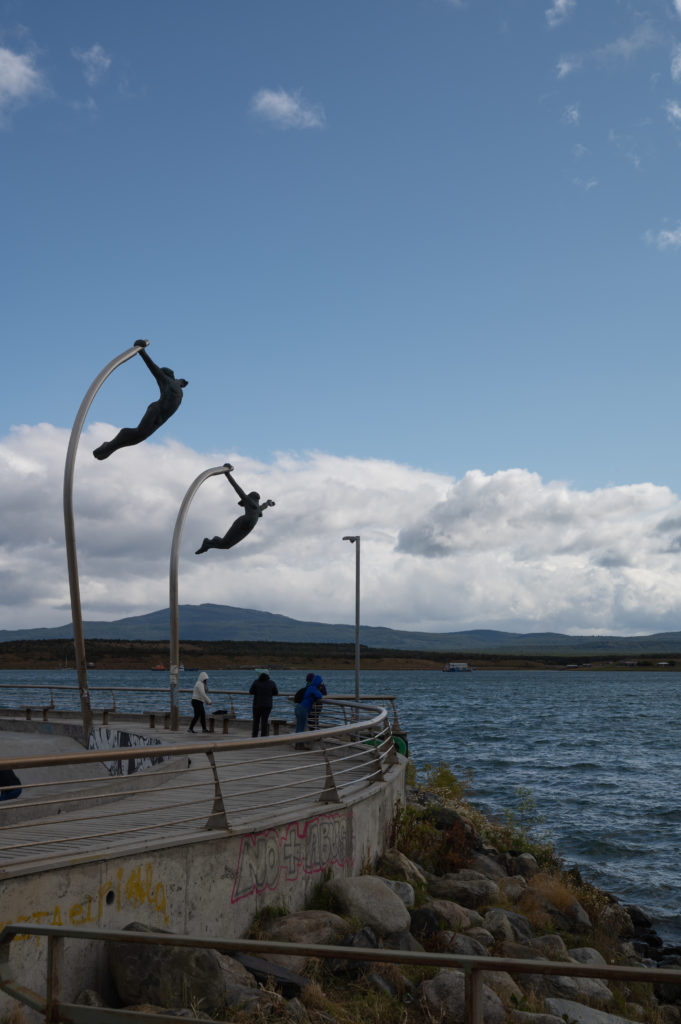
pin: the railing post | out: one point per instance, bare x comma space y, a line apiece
329, 794
55, 961
218, 816
473, 995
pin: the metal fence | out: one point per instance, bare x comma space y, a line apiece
51, 701
74, 805
52, 1007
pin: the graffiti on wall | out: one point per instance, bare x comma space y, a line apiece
280, 855
103, 738
133, 888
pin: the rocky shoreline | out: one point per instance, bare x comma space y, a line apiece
491, 901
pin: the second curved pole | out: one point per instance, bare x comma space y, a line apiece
173, 592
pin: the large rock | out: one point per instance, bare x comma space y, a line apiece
317, 926
402, 889
569, 1010
444, 996
476, 891
177, 976
396, 862
456, 917
372, 902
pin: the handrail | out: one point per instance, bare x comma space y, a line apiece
178, 749
473, 966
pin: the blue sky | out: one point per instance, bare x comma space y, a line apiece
442, 236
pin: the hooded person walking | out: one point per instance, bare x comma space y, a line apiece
199, 700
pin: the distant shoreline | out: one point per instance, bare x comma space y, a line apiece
238, 654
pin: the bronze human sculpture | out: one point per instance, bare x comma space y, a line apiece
242, 526
157, 412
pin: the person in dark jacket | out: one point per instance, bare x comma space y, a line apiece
263, 689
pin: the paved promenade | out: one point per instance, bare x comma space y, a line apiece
69, 813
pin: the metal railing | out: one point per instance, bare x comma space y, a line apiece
40, 697
54, 1009
180, 791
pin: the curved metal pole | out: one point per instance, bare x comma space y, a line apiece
173, 598
69, 529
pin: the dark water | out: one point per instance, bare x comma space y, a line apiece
599, 752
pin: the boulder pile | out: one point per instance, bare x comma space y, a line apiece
499, 904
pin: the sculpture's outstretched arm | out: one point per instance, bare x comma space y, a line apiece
267, 504
159, 376
228, 473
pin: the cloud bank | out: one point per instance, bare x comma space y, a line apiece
505, 551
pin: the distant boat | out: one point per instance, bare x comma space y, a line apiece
457, 666
158, 668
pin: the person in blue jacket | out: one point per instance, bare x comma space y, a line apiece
312, 693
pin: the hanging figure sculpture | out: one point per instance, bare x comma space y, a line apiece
157, 412
242, 526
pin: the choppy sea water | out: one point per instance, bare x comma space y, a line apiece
599, 752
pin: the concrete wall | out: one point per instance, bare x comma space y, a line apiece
213, 886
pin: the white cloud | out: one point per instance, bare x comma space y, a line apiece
559, 11
505, 550
677, 5
666, 238
287, 110
566, 65
19, 79
571, 115
625, 47
96, 62
673, 110
675, 69
585, 183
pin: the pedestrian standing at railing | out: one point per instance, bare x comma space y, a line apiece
10, 784
199, 700
262, 689
316, 709
303, 706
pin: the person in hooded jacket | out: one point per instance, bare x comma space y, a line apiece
263, 689
312, 693
199, 700
316, 709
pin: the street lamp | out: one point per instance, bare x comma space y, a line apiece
355, 540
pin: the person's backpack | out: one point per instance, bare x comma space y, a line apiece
299, 694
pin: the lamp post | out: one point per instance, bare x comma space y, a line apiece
173, 593
70, 535
355, 540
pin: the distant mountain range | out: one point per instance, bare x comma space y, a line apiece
206, 622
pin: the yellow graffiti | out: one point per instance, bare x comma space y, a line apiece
135, 890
